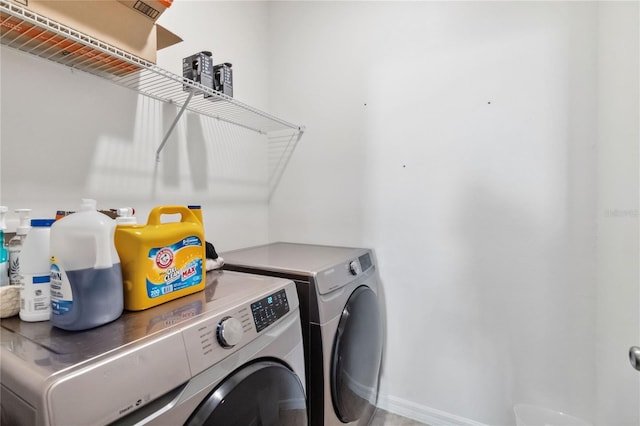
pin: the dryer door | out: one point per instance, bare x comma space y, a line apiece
263, 393
357, 353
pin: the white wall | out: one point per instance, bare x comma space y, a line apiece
67, 135
460, 141
618, 294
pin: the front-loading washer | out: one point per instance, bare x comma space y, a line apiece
342, 326
231, 354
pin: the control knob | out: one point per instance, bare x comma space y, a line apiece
229, 332
354, 267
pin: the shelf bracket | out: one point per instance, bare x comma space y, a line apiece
173, 125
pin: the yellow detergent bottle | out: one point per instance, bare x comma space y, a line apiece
160, 261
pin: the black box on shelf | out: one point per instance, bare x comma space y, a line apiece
199, 68
222, 80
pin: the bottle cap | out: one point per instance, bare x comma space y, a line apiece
88, 204
3, 212
39, 223
125, 216
23, 224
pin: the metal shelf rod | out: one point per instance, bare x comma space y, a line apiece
175, 121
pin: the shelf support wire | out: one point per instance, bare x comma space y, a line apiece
283, 161
175, 121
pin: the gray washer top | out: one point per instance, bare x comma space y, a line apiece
294, 258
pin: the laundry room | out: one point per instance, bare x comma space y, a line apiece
460, 179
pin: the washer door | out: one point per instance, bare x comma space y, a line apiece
263, 393
357, 352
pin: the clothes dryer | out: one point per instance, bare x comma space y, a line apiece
341, 323
229, 355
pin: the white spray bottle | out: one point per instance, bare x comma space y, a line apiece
15, 246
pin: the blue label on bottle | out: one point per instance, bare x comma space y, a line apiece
175, 267
41, 279
61, 307
177, 279
61, 295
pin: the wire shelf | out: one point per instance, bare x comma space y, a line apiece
24, 30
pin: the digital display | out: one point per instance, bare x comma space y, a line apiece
268, 310
365, 262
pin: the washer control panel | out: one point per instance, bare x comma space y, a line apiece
268, 310
344, 273
215, 338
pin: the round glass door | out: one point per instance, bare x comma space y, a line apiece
357, 352
265, 393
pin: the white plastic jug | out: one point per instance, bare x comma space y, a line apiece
35, 304
86, 278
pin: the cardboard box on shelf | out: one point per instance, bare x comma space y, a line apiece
166, 38
152, 9
109, 21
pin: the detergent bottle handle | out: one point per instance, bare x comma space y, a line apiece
104, 242
186, 214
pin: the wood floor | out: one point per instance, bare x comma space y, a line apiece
384, 418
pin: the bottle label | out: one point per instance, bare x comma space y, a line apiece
34, 294
61, 294
175, 267
14, 266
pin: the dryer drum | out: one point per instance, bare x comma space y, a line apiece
357, 353
263, 393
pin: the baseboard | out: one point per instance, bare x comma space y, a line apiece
422, 413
